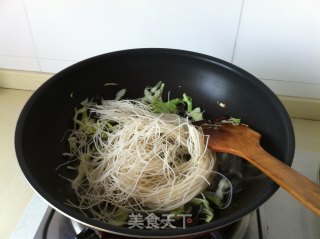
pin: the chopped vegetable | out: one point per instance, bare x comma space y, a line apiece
212, 197
120, 94
206, 210
195, 114
107, 84
188, 101
120, 217
82, 120
232, 120
222, 187
184, 209
89, 127
167, 107
153, 96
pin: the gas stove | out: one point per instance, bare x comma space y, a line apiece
280, 217
55, 225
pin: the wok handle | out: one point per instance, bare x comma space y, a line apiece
299, 186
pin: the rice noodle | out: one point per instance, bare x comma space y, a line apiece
138, 161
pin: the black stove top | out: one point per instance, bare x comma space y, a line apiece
56, 226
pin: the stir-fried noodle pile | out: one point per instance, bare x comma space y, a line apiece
132, 159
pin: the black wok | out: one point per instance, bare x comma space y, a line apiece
48, 114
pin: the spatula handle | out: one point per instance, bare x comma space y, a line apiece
299, 186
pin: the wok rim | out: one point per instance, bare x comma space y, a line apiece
124, 231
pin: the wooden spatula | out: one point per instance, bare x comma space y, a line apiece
242, 141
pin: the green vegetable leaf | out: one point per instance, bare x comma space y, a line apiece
195, 114
120, 217
188, 101
234, 121
153, 94
213, 198
184, 209
207, 211
167, 107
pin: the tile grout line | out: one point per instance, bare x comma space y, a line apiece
237, 33
294, 82
50, 59
17, 56
31, 33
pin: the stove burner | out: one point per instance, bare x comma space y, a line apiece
54, 225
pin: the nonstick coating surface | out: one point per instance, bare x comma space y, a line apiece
48, 114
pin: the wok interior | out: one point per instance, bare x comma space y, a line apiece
47, 117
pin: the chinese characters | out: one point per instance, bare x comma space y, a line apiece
152, 221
